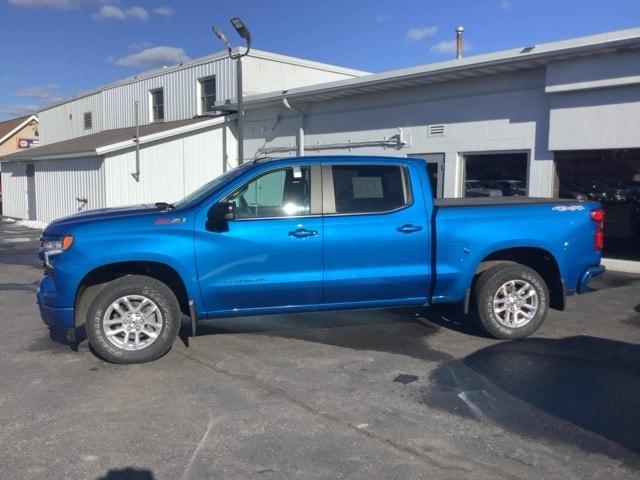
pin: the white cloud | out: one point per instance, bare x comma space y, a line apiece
166, 11
109, 11
418, 33
448, 46
136, 47
505, 4
153, 57
59, 4
42, 93
383, 17
138, 12
18, 110
114, 12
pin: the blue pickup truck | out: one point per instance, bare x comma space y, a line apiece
308, 234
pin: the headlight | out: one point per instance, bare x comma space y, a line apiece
54, 246
60, 244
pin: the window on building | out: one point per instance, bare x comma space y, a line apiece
369, 188
157, 105
496, 175
88, 121
207, 94
435, 168
279, 193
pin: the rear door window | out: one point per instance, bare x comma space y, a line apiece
369, 188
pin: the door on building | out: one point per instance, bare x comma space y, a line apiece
31, 191
611, 177
435, 168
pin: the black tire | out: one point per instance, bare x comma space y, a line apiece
486, 289
136, 286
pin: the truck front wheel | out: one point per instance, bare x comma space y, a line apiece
512, 300
134, 319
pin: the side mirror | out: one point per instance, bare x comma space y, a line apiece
218, 216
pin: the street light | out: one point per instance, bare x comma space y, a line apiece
245, 34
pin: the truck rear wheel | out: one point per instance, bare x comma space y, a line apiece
512, 300
135, 319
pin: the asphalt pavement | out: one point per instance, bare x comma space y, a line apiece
412, 393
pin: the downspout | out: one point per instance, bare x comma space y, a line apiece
300, 135
136, 175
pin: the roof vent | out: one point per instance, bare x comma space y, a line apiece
459, 45
435, 130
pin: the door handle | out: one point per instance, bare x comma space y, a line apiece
303, 233
408, 228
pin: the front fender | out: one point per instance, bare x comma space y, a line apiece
172, 247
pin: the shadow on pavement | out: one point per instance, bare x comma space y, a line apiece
21, 254
617, 280
27, 287
128, 474
452, 317
634, 320
398, 331
587, 382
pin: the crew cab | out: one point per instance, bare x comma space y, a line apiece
308, 234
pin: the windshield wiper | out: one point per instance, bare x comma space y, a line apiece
165, 205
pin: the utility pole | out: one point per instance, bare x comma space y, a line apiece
244, 33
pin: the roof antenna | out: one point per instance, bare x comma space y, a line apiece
459, 32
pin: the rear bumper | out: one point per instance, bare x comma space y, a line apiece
589, 273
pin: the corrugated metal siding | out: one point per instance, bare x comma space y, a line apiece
60, 182
262, 75
14, 190
180, 94
168, 171
67, 120
114, 107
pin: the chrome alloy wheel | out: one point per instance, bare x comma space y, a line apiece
515, 303
132, 322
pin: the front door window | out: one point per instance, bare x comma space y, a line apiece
280, 193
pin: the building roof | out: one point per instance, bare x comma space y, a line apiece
210, 58
112, 140
9, 127
468, 67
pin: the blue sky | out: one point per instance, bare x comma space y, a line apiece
55, 48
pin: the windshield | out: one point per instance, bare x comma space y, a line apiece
209, 187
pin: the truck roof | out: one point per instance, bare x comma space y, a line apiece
339, 159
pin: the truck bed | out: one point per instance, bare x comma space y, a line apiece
498, 201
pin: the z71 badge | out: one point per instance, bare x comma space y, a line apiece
170, 220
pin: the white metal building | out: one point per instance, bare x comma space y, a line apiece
100, 170
555, 119
88, 142
113, 106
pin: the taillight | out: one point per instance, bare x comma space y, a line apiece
598, 217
